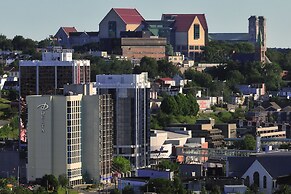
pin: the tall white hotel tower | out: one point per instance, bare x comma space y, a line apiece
70, 135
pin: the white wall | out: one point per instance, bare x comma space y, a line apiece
257, 167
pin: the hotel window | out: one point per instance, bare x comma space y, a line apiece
112, 29
196, 31
191, 48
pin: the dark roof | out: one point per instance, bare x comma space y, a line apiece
75, 33
158, 23
259, 109
286, 109
239, 165
129, 15
9, 68
93, 33
87, 33
268, 105
228, 36
277, 163
184, 21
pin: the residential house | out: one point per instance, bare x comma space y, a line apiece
81, 38
11, 71
63, 36
254, 90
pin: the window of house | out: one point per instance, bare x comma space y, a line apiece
191, 48
112, 29
265, 182
247, 181
256, 178
196, 31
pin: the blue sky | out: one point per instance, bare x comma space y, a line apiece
37, 19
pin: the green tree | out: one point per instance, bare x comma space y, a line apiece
50, 182
178, 186
5, 44
167, 69
45, 43
166, 164
192, 104
215, 190
225, 117
169, 105
203, 190
149, 65
248, 143
182, 105
169, 50
63, 180
122, 164
161, 186
115, 191
127, 190
200, 78
283, 189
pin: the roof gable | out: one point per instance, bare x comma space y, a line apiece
68, 30
129, 15
184, 21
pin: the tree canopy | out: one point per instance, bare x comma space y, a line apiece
180, 105
121, 163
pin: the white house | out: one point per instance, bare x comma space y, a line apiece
261, 169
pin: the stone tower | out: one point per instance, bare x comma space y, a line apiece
257, 36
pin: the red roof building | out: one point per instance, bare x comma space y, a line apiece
191, 33
118, 20
129, 16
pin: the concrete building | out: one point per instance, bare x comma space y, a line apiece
131, 136
164, 143
270, 132
228, 129
48, 77
72, 135
56, 69
135, 48
205, 128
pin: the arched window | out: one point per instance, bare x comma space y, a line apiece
247, 181
256, 178
265, 182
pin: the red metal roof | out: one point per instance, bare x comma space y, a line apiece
166, 79
183, 21
129, 15
68, 30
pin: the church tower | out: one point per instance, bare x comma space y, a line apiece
257, 36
